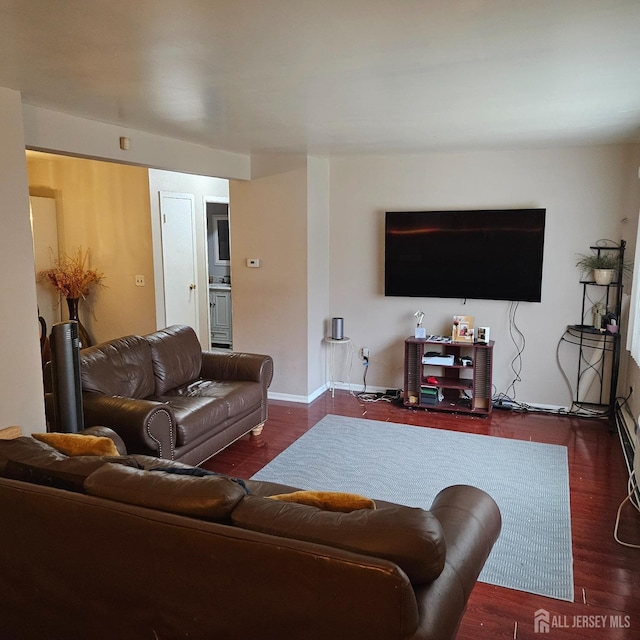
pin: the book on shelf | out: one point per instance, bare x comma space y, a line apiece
429, 388
430, 394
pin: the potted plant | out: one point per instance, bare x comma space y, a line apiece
74, 280
603, 264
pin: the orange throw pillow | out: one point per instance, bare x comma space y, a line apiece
328, 500
76, 444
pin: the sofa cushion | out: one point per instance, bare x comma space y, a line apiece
195, 417
120, 367
210, 497
410, 537
177, 357
222, 399
77, 444
29, 460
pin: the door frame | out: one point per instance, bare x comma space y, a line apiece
218, 200
204, 333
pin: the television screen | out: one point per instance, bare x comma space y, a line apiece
482, 254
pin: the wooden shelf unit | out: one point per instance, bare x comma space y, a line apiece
462, 388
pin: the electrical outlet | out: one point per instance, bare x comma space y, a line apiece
139, 281
364, 353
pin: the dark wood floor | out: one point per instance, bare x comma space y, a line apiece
606, 574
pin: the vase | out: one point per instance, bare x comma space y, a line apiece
603, 276
83, 335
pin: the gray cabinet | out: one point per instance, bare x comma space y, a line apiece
220, 313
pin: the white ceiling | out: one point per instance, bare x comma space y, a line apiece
334, 76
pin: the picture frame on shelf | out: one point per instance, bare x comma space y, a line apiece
462, 329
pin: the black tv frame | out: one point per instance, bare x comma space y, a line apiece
486, 254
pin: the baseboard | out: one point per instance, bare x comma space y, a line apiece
288, 397
345, 386
628, 432
547, 407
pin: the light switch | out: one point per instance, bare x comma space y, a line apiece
253, 263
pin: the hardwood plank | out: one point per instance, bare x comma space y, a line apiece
606, 574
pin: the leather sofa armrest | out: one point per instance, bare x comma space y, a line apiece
234, 365
145, 426
471, 522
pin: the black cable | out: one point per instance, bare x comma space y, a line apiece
505, 401
363, 395
513, 328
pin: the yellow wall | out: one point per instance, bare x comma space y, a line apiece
104, 208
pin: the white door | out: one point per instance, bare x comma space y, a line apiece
179, 265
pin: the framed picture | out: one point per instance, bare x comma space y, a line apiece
462, 329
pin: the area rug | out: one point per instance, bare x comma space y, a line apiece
410, 465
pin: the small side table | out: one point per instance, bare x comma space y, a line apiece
335, 345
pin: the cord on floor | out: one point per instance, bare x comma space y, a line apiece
632, 499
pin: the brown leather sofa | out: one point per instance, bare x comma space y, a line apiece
166, 397
111, 547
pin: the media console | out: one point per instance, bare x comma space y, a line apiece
448, 376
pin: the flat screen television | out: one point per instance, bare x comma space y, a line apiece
483, 254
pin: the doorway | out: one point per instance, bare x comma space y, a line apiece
219, 271
114, 210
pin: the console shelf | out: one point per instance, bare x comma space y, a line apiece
455, 386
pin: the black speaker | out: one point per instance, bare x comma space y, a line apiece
337, 328
65, 373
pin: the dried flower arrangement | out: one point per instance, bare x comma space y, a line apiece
71, 275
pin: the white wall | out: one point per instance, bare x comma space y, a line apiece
269, 222
630, 371
21, 371
583, 190
58, 132
317, 271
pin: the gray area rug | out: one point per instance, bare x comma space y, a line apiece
409, 465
